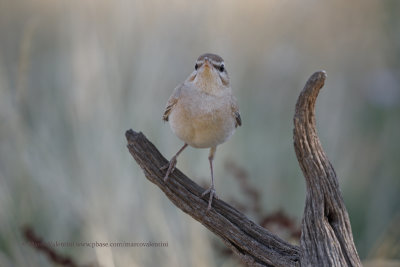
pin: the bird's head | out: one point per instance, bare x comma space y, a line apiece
210, 73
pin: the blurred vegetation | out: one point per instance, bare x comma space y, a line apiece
74, 75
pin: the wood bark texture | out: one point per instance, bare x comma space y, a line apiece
326, 236
254, 245
326, 233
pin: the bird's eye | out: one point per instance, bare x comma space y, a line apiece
221, 68
196, 66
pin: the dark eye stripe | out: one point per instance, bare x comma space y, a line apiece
220, 67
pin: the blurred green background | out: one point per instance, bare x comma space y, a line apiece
75, 75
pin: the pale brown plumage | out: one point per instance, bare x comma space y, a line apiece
173, 99
202, 111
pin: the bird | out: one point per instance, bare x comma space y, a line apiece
203, 112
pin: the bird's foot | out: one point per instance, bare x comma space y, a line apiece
213, 194
170, 166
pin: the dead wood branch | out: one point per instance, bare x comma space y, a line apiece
326, 233
326, 238
253, 244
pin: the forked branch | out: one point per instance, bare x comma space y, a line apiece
326, 229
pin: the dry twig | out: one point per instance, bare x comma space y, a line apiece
55, 257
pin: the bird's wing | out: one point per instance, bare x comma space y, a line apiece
235, 112
173, 99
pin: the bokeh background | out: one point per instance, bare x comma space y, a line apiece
75, 75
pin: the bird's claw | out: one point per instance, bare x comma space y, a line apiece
213, 194
170, 166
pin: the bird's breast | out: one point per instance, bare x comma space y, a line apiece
202, 120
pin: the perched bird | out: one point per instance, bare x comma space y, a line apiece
202, 112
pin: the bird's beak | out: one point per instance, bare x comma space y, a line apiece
206, 70
207, 63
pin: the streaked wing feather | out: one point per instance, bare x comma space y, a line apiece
173, 99
235, 111
238, 119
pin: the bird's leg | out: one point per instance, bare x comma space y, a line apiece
211, 189
170, 166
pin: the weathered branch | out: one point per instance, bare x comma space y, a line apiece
326, 238
253, 244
